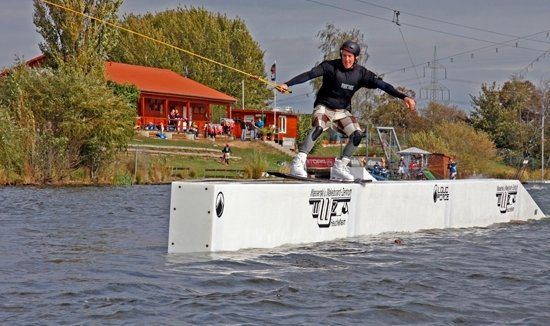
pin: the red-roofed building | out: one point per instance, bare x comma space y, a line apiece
161, 90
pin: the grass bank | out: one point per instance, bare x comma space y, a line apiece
154, 161
151, 160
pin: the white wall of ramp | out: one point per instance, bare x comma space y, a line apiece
412, 206
222, 216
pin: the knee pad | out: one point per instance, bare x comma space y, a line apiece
356, 137
317, 131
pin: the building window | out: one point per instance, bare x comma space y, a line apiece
154, 107
282, 124
199, 109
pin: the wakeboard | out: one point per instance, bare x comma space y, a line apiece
293, 177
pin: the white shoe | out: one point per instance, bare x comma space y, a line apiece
298, 166
340, 171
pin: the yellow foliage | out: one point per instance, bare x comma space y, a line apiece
473, 150
429, 141
256, 167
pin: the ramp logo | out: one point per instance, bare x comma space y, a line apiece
220, 203
441, 193
330, 206
506, 198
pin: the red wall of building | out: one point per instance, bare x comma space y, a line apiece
438, 165
270, 117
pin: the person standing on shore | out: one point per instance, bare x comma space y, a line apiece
401, 167
341, 79
453, 170
226, 154
243, 129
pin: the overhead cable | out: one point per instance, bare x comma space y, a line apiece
258, 78
450, 23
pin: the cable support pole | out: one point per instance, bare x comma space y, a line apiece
258, 78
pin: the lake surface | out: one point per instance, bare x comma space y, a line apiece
97, 255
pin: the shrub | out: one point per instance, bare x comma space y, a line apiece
59, 120
256, 167
473, 150
123, 179
12, 149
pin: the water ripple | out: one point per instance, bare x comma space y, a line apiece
97, 255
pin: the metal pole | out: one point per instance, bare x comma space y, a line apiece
542, 147
275, 114
274, 80
366, 144
242, 95
135, 165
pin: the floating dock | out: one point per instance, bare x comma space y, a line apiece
225, 216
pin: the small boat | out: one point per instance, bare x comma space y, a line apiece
208, 216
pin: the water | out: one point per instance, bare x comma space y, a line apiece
90, 256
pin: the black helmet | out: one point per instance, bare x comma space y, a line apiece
352, 47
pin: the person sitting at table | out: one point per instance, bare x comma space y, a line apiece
172, 120
179, 121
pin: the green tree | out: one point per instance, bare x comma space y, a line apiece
69, 36
211, 35
126, 91
489, 116
542, 149
508, 115
523, 99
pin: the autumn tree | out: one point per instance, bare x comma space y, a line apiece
392, 112
474, 150
436, 113
210, 35
521, 97
72, 37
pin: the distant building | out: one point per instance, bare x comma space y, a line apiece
284, 123
162, 90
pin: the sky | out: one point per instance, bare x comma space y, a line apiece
476, 41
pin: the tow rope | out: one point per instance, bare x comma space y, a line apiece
258, 78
